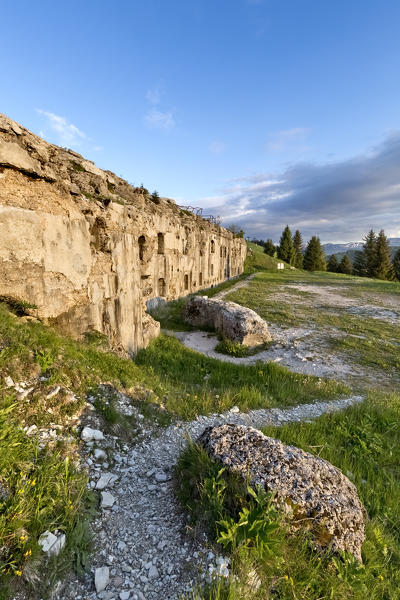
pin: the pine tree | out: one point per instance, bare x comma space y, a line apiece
382, 256
333, 264
314, 257
298, 249
285, 250
369, 249
396, 264
345, 266
269, 248
359, 264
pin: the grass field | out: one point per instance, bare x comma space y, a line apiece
42, 487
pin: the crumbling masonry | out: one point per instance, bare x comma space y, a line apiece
89, 250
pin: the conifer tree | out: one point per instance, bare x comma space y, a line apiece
269, 248
396, 265
285, 250
345, 266
298, 249
382, 256
359, 265
333, 264
314, 257
369, 250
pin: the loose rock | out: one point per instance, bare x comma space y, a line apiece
312, 492
101, 578
230, 320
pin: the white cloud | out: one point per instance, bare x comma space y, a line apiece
160, 120
67, 132
285, 138
217, 148
153, 95
340, 201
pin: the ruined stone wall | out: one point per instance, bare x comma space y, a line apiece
89, 250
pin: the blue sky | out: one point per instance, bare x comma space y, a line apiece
263, 111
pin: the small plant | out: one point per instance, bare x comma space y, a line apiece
45, 359
155, 197
236, 349
77, 167
254, 529
18, 307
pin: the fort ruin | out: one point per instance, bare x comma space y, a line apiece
89, 250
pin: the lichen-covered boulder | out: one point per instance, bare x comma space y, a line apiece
232, 321
313, 493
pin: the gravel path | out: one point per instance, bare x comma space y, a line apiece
291, 348
143, 539
237, 286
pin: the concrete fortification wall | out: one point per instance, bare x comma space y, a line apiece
89, 250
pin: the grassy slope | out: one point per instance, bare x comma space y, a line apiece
366, 340
44, 489
364, 442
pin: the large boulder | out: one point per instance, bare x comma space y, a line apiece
230, 320
313, 493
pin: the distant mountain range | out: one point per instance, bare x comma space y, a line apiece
344, 248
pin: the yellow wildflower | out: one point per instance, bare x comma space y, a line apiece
19, 573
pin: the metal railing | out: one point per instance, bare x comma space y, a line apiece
196, 210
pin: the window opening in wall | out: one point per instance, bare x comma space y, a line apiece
161, 287
212, 270
142, 247
212, 246
186, 282
200, 278
160, 239
220, 251
224, 251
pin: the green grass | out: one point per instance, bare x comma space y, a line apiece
44, 490
364, 442
257, 260
361, 339
195, 384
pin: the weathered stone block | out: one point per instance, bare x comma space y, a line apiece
230, 320
313, 493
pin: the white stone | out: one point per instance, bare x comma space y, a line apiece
160, 477
25, 393
153, 572
88, 434
235, 409
101, 578
52, 544
125, 595
105, 480
9, 381
53, 392
99, 454
107, 500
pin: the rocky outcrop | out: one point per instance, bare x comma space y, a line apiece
313, 493
89, 250
230, 320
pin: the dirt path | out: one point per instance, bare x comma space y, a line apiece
291, 348
143, 538
234, 288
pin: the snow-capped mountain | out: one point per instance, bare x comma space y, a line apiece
334, 248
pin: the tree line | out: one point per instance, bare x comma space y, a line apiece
374, 260
291, 250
